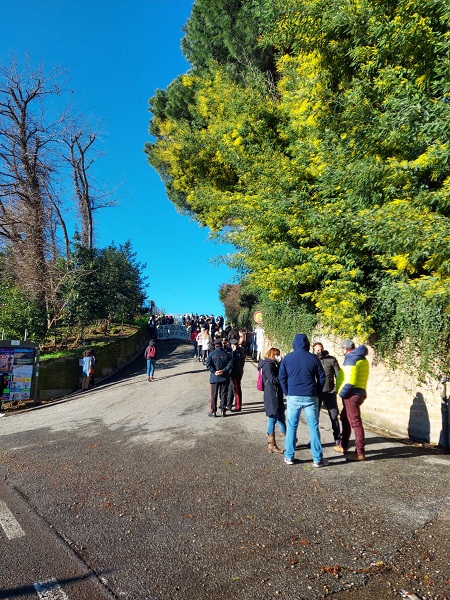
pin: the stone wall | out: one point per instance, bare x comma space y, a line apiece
395, 401
61, 376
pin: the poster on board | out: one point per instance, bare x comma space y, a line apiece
18, 364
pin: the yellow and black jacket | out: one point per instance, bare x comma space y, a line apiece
352, 377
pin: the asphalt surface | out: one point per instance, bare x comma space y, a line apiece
154, 500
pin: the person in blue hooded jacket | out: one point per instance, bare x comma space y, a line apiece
302, 377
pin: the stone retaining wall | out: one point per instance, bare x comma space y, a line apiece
395, 401
61, 376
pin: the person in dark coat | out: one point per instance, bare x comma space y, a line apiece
219, 364
328, 397
237, 372
273, 397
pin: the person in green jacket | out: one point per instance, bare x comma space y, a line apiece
351, 386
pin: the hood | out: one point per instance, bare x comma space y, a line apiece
360, 351
301, 342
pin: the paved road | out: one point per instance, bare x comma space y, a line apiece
130, 491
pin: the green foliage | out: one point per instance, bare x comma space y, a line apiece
282, 322
19, 313
103, 284
226, 33
334, 184
229, 296
413, 331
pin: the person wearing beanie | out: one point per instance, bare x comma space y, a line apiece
351, 385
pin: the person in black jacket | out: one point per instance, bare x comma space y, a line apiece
237, 372
328, 397
219, 364
273, 397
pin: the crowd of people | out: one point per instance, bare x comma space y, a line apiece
309, 380
303, 380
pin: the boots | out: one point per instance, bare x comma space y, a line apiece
272, 447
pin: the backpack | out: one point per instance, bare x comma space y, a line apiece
260, 381
151, 351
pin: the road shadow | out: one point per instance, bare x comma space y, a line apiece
402, 449
51, 588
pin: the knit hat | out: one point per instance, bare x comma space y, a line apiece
348, 344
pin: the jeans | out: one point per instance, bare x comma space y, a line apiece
151, 362
310, 404
279, 418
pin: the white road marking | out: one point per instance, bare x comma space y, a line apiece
9, 524
50, 590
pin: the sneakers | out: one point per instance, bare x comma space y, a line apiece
288, 461
2, 414
211, 414
339, 448
322, 463
355, 457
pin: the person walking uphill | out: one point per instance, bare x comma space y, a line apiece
273, 397
150, 356
219, 364
351, 385
302, 378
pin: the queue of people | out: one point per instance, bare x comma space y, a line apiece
308, 381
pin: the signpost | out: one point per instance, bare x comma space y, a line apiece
258, 317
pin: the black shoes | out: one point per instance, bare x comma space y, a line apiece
212, 414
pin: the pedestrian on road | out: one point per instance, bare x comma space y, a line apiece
87, 370
150, 355
328, 397
219, 364
351, 385
273, 397
200, 345
93, 356
207, 344
4, 384
237, 372
193, 338
302, 378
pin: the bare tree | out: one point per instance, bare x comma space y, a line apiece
87, 195
80, 165
34, 138
28, 148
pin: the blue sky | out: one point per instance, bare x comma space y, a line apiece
117, 54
